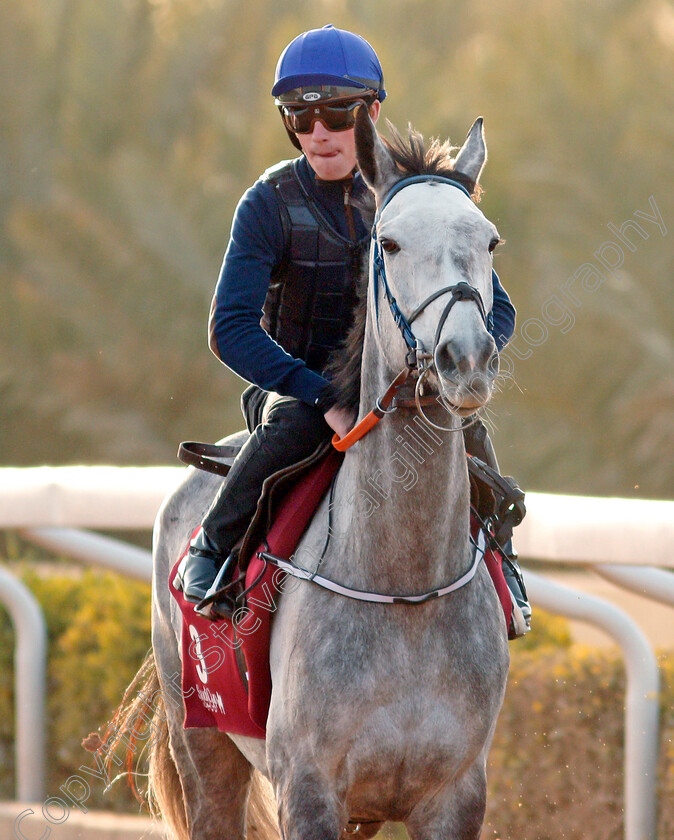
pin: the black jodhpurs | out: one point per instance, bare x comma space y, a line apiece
283, 430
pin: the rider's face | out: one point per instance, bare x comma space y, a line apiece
332, 154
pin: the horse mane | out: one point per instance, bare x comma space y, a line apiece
412, 158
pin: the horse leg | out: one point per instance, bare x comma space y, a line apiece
215, 779
307, 808
456, 811
213, 775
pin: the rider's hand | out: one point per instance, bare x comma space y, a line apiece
340, 420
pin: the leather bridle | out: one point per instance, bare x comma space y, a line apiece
458, 291
418, 362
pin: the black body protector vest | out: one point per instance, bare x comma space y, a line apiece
312, 295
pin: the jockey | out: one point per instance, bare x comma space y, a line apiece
295, 252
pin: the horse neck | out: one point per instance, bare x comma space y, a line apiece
408, 482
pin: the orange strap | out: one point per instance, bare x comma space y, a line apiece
359, 431
371, 419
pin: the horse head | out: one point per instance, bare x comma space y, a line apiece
432, 252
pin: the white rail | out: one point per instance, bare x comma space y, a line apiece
597, 531
30, 658
569, 529
83, 497
651, 583
616, 537
642, 742
94, 550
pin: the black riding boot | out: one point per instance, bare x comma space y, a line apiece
521, 621
287, 432
479, 444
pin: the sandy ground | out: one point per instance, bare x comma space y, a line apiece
655, 619
94, 825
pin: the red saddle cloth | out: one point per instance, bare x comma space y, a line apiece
226, 679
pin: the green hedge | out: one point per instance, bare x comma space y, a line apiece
556, 765
555, 769
98, 634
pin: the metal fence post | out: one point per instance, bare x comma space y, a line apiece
94, 550
30, 657
656, 584
641, 704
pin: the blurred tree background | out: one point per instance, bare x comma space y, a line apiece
131, 127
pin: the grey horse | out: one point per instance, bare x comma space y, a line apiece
379, 712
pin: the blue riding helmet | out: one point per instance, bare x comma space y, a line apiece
325, 58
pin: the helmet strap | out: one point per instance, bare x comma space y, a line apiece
293, 139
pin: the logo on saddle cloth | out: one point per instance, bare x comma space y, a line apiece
226, 680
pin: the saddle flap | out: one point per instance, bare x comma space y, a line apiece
273, 491
226, 678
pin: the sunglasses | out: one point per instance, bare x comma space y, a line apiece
337, 115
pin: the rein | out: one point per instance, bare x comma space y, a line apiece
419, 361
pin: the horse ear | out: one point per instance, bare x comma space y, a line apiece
374, 160
473, 154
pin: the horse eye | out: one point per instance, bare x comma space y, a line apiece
390, 246
493, 244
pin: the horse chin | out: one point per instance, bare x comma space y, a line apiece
463, 402
461, 412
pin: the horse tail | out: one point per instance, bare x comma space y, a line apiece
165, 792
261, 822
141, 720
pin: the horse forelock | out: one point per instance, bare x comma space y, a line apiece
413, 158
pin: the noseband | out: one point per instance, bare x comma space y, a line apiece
459, 291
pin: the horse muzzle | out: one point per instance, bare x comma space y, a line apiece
466, 375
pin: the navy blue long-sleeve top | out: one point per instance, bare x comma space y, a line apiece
255, 251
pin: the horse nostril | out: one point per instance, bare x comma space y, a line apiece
444, 359
453, 361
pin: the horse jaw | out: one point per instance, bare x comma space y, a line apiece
472, 155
